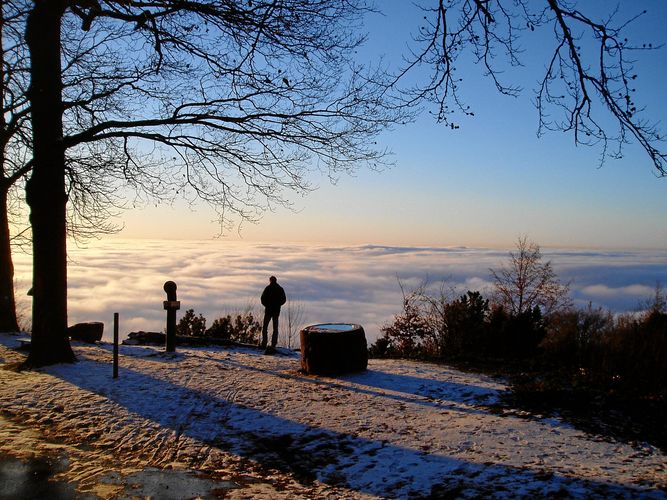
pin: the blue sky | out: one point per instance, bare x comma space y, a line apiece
481, 185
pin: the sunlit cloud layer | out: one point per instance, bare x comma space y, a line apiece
357, 284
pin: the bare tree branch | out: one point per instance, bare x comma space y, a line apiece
587, 88
240, 100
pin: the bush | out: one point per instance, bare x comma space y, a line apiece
621, 355
243, 328
516, 336
631, 357
191, 325
409, 335
381, 348
466, 328
589, 349
240, 328
573, 335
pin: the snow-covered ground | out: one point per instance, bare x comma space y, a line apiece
239, 424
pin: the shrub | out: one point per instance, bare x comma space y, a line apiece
588, 348
573, 335
631, 357
191, 325
433, 327
240, 328
381, 348
514, 336
618, 354
409, 334
243, 328
466, 329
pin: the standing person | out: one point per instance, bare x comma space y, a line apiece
273, 297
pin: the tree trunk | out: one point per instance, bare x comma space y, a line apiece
8, 322
45, 190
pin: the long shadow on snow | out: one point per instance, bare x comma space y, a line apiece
403, 388
310, 452
432, 393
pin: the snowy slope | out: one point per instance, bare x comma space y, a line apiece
252, 426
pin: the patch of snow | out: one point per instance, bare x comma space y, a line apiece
338, 327
401, 429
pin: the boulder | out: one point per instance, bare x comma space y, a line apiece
145, 338
90, 332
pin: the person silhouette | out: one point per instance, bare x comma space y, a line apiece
273, 297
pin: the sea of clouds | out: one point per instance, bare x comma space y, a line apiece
352, 284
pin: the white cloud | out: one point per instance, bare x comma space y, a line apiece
601, 291
348, 284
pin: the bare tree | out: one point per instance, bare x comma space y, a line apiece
239, 99
527, 282
14, 153
656, 305
292, 322
589, 82
91, 193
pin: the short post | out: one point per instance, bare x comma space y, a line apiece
171, 305
115, 345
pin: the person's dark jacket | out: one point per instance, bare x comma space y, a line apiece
273, 297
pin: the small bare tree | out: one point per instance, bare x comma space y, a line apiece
527, 282
657, 304
292, 323
433, 305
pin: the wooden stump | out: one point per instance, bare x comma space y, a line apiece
333, 348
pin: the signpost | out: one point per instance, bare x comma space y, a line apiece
171, 305
115, 345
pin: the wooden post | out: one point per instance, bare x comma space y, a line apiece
171, 305
115, 345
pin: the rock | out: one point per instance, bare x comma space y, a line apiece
145, 338
90, 332
160, 338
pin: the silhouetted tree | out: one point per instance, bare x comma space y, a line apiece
435, 325
657, 304
92, 196
433, 305
527, 282
14, 153
586, 86
239, 98
466, 325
